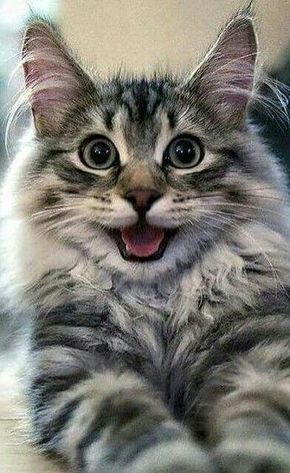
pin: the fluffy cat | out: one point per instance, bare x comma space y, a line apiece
146, 238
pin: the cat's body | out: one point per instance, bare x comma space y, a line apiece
155, 284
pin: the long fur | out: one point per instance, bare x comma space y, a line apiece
179, 364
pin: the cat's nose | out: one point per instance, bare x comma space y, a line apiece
142, 199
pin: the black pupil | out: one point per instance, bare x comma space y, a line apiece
101, 152
185, 151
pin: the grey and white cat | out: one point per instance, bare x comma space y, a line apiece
146, 238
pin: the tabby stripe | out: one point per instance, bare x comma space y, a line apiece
91, 437
126, 451
46, 387
49, 433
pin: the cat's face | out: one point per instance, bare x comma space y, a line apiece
141, 174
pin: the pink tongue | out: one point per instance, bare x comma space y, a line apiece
142, 242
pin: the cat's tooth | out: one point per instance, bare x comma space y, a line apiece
128, 250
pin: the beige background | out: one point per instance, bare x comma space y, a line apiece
142, 33
137, 34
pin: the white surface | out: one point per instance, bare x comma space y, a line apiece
16, 455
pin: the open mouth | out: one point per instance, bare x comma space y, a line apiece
142, 242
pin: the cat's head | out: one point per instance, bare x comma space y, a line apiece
142, 174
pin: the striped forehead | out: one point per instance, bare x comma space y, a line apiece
137, 114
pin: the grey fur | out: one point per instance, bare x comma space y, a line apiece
179, 364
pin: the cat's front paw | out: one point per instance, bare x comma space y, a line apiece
252, 456
178, 458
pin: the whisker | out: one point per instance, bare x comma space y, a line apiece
250, 207
245, 193
243, 231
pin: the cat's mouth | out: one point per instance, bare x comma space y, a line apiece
142, 242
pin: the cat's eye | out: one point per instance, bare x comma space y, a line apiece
184, 152
99, 152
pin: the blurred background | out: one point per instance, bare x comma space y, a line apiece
142, 34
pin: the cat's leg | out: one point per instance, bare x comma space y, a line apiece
90, 407
243, 402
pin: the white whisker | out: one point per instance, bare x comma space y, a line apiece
241, 230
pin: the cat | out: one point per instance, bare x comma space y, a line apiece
145, 238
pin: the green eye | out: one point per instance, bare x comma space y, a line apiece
99, 153
184, 152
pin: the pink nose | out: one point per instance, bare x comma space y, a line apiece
142, 199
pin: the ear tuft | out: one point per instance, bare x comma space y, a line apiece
225, 79
54, 80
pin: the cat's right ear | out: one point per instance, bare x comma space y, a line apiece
54, 81
224, 81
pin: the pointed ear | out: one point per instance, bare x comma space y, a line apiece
224, 81
55, 83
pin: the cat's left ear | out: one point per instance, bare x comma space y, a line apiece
223, 83
55, 82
